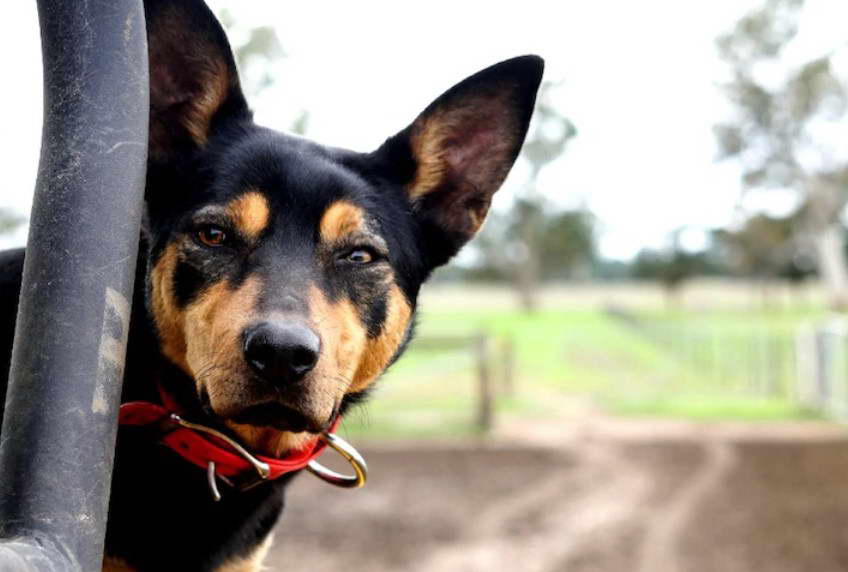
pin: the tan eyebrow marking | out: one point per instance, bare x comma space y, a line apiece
342, 218
250, 213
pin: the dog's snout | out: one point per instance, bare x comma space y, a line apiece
281, 353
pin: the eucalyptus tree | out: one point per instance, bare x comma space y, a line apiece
784, 128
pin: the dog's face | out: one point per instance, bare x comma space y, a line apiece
284, 274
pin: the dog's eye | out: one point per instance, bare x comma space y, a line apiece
359, 256
212, 236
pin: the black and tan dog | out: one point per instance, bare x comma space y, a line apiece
278, 277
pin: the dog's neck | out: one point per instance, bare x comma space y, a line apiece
158, 492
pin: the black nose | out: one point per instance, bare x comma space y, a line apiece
281, 352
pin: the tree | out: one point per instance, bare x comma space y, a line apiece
255, 53
565, 243
548, 137
673, 266
9, 221
567, 247
774, 134
764, 247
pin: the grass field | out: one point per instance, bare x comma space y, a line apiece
721, 364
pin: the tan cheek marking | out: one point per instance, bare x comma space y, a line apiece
112, 564
342, 334
252, 562
251, 213
168, 317
379, 351
341, 219
213, 326
340, 323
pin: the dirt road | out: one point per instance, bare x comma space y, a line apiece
598, 496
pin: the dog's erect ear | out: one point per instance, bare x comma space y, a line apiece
457, 153
194, 85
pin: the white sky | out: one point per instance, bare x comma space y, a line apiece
639, 82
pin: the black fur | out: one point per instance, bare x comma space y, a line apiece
161, 515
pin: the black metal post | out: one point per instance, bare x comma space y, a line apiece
61, 406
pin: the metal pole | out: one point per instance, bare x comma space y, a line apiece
59, 428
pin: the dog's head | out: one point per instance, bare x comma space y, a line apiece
284, 274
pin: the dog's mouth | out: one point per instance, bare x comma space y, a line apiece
278, 416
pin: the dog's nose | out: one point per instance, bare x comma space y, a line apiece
281, 352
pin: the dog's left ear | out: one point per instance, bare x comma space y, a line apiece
457, 153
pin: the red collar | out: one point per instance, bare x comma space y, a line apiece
220, 455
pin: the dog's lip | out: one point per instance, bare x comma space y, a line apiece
279, 416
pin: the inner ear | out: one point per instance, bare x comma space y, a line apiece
194, 84
472, 142
457, 153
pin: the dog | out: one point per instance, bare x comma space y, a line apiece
277, 279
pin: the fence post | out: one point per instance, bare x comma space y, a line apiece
806, 373
823, 387
58, 434
767, 383
484, 383
835, 331
715, 357
508, 365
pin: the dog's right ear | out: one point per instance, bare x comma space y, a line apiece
194, 85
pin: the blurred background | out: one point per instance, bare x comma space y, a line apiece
640, 364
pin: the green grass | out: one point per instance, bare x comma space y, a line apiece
721, 365
712, 407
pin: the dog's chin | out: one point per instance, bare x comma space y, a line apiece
273, 429
277, 416
269, 441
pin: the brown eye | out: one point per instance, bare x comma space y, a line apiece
212, 236
359, 256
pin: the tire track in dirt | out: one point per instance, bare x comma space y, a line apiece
612, 489
597, 494
660, 547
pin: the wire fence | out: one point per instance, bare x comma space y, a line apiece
807, 365
752, 360
494, 369
446, 385
751, 366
